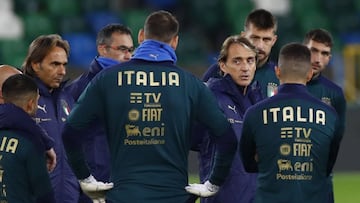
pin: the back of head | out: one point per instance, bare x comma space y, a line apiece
294, 62
161, 26
39, 48
319, 35
261, 19
104, 35
19, 89
6, 71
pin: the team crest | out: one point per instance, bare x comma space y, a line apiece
65, 107
272, 89
326, 100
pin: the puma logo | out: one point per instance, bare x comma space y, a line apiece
232, 108
154, 56
42, 108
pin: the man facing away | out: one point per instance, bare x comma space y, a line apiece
23, 172
291, 139
148, 106
260, 28
5, 72
114, 45
320, 42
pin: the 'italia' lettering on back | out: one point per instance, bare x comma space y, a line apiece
293, 114
153, 79
9, 144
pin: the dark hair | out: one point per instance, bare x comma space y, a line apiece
235, 39
40, 47
18, 88
295, 59
261, 19
161, 25
319, 35
104, 35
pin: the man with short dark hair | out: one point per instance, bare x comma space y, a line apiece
23, 172
320, 43
291, 139
148, 106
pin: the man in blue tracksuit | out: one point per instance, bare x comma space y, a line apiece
260, 28
114, 45
291, 139
320, 42
148, 106
45, 62
235, 94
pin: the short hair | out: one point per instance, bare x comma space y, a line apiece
104, 35
161, 25
18, 89
40, 47
235, 39
294, 60
261, 19
319, 35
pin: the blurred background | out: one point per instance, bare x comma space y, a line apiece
203, 27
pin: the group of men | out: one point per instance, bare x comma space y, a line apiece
260, 127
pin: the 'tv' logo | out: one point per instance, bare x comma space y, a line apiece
42, 108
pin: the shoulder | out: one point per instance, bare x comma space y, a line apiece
22, 139
330, 84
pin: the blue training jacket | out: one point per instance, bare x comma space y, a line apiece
53, 110
239, 186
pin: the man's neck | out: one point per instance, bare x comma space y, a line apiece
262, 63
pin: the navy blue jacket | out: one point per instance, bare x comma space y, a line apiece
291, 140
24, 176
233, 102
53, 110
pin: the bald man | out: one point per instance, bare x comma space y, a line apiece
5, 72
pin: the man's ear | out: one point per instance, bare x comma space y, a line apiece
101, 49
35, 67
222, 66
277, 72
309, 75
174, 42
141, 36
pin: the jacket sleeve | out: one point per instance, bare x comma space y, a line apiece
334, 147
47, 140
85, 111
39, 176
210, 115
224, 155
247, 147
